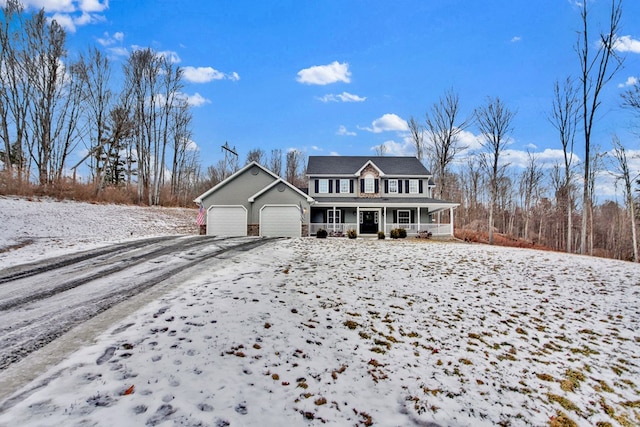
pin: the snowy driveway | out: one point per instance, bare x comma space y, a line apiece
39, 302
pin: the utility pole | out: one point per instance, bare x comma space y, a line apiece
228, 157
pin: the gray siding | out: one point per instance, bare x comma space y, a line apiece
238, 190
276, 197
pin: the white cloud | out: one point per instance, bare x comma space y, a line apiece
172, 56
342, 130
516, 39
630, 82
119, 51
70, 14
196, 100
627, 44
393, 148
334, 153
65, 21
108, 40
316, 148
206, 74
89, 6
93, 5
388, 122
325, 74
192, 146
342, 97
49, 5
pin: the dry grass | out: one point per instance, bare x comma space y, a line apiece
67, 189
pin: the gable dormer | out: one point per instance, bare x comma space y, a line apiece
369, 177
370, 165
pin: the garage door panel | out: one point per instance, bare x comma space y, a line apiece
227, 221
280, 221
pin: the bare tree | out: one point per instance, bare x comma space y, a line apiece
444, 127
15, 88
183, 149
95, 72
255, 155
564, 117
381, 150
494, 121
275, 161
631, 98
56, 94
623, 174
530, 181
294, 159
417, 137
597, 68
153, 82
596, 166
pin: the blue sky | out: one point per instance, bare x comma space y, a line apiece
341, 77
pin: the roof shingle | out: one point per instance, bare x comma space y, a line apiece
348, 165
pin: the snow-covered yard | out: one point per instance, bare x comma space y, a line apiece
360, 332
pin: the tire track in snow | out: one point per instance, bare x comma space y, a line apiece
33, 324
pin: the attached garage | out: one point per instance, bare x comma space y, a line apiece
227, 221
280, 221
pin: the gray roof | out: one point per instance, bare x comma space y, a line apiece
349, 165
382, 200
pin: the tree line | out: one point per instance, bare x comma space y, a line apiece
494, 197
137, 136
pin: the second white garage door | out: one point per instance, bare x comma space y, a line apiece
280, 221
227, 221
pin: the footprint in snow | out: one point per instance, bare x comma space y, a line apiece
242, 408
108, 354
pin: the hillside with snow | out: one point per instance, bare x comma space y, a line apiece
341, 332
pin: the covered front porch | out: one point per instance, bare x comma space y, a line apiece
337, 219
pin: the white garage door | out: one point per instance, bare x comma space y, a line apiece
280, 221
227, 221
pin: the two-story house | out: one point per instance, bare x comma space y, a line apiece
373, 193
366, 194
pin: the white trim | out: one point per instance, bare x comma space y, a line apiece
377, 216
369, 162
225, 181
273, 184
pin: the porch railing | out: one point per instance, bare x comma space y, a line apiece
434, 229
340, 228
412, 229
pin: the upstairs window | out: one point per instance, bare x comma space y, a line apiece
323, 186
393, 185
369, 184
413, 186
344, 186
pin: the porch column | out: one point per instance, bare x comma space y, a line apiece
334, 219
384, 221
358, 219
418, 220
451, 220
